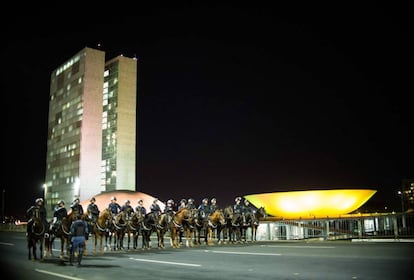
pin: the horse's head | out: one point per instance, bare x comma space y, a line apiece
218, 216
228, 213
261, 212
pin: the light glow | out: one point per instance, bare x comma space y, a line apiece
312, 203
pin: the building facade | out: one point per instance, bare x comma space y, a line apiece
91, 127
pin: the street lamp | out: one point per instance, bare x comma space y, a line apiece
402, 200
44, 186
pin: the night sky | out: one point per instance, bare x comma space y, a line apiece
231, 102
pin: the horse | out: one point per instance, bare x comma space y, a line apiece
101, 228
36, 235
189, 226
214, 222
162, 226
252, 221
201, 228
232, 229
132, 229
149, 225
62, 231
119, 224
176, 225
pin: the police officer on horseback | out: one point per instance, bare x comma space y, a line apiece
237, 208
183, 204
39, 205
114, 206
127, 209
190, 204
58, 215
248, 211
204, 209
155, 208
213, 205
169, 207
93, 211
76, 207
140, 208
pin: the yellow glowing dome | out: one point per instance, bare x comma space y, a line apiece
312, 203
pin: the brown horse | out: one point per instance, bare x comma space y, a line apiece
35, 235
176, 225
62, 232
214, 223
101, 228
119, 224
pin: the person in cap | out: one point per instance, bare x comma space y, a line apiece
93, 211
39, 205
59, 213
140, 207
127, 209
114, 206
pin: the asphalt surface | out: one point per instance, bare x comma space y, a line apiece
258, 260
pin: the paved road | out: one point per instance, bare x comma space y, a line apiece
260, 260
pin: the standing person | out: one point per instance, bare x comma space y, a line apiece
58, 215
114, 206
140, 208
127, 209
78, 233
39, 205
93, 210
76, 207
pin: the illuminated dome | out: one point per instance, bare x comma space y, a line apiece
103, 199
312, 203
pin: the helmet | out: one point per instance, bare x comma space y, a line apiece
183, 200
61, 202
76, 200
238, 199
155, 200
190, 200
213, 199
127, 201
246, 201
93, 199
113, 198
39, 200
205, 200
140, 200
170, 201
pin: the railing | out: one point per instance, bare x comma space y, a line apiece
362, 226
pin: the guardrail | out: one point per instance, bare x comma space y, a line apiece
358, 226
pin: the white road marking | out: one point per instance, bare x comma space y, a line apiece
298, 246
8, 244
58, 275
165, 262
242, 253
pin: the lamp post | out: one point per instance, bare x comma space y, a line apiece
402, 200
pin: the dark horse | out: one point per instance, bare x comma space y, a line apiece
36, 235
252, 222
101, 228
132, 229
233, 224
148, 225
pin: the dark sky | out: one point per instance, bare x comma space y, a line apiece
232, 102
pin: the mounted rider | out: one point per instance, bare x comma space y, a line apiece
213, 205
140, 208
204, 209
237, 208
114, 206
183, 204
39, 205
190, 204
248, 212
93, 211
59, 213
77, 208
155, 208
169, 207
127, 209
